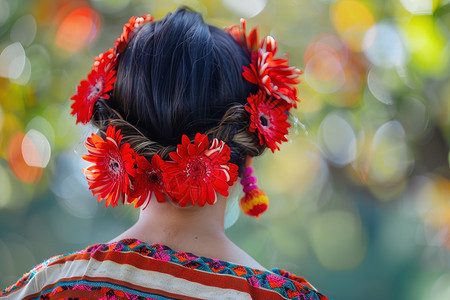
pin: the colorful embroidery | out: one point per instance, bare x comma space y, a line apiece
182, 267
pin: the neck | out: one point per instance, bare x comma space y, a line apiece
192, 228
199, 230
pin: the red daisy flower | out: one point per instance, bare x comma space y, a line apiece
268, 120
134, 22
275, 76
148, 181
240, 35
108, 55
100, 81
112, 165
198, 171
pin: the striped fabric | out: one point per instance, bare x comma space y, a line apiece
131, 269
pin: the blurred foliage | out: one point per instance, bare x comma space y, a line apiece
360, 197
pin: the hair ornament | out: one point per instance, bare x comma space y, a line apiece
198, 170
268, 119
273, 75
249, 43
101, 79
255, 201
112, 166
99, 83
195, 174
148, 181
135, 22
269, 108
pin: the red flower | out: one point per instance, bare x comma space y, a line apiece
240, 35
102, 77
268, 120
100, 81
113, 164
198, 171
148, 181
275, 76
135, 22
109, 55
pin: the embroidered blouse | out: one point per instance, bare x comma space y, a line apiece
131, 269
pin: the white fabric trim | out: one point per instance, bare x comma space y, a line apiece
127, 273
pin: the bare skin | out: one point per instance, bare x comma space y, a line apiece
199, 230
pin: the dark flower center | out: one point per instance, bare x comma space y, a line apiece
196, 169
154, 177
114, 165
95, 89
263, 120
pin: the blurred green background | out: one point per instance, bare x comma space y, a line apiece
360, 196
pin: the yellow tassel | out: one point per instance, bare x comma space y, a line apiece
254, 203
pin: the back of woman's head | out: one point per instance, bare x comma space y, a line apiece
181, 76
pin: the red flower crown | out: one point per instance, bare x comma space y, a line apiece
270, 106
198, 170
101, 79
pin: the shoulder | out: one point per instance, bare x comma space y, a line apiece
27, 284
129, 268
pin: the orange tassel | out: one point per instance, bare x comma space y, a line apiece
255, 201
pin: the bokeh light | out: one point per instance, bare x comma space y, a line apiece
428, 43
77, 29
20, 168
36, 149
351, 19
377, 87
383, 46
323, 72
338, 140
24, 30
390, 159
246, 9
360, 193
434, 206
420, 7
44, 128
12, 61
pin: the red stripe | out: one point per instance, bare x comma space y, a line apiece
226, 281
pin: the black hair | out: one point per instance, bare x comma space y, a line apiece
181, 76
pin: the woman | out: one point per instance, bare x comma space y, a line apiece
181, 108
